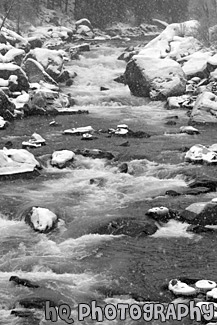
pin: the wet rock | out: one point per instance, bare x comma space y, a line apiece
121, 79
196, 66
205, 109
6, 105
197, 229
128, 227
201, 213
189, 130
200, 154
170, 122
62, 159
35, 302
40, 219
204, 181
103, 88
197, 191
94, 153
34, 42
9, 69
69, 82
98, 181
23, 282
161, 214
125, 144
181, 289
172, 193
80, 130
80, 48
173, 103
123, 168
65, 76
22, 313
155, 78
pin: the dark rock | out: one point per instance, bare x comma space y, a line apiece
197, 229
129, 227
162, 214
94, 153
6, 106
172, 193
35, 42
121, 79
103, 88
204, 181
69, 82
197, 191
64, 76
35, 302
23, 282
200, 213
22, 313
138, 134
36, 72
125, 144
123, 168
8, 69
170, 122
99, 181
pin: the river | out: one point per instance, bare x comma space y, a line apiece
78, 262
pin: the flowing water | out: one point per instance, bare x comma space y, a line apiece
78, 263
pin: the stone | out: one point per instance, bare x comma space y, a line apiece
36, 72
161, 213
62, 159
200, 213
34, 42
23, 282
94, 153
155, 78
205, 109
79, 131
13, 55
173, 103
40, 219
189, 130
196, 66
5, 106
84, 22
84, 30
9, 69
200, 154
46, 57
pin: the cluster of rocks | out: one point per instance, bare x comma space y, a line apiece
175, 66
202, 292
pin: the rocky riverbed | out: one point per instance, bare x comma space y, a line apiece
103, 238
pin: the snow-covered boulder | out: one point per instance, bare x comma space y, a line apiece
41, 219
205, 108
200, 154
46, 57
155, 78
17, 161
36, 72
13, 55
62, 158
8, 69
196, 65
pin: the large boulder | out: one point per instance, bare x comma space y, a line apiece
201, 213
205, 109
62, 158
36, 72
8, 69
47, 57
13, 55
17, 161
41, 219
157, 78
